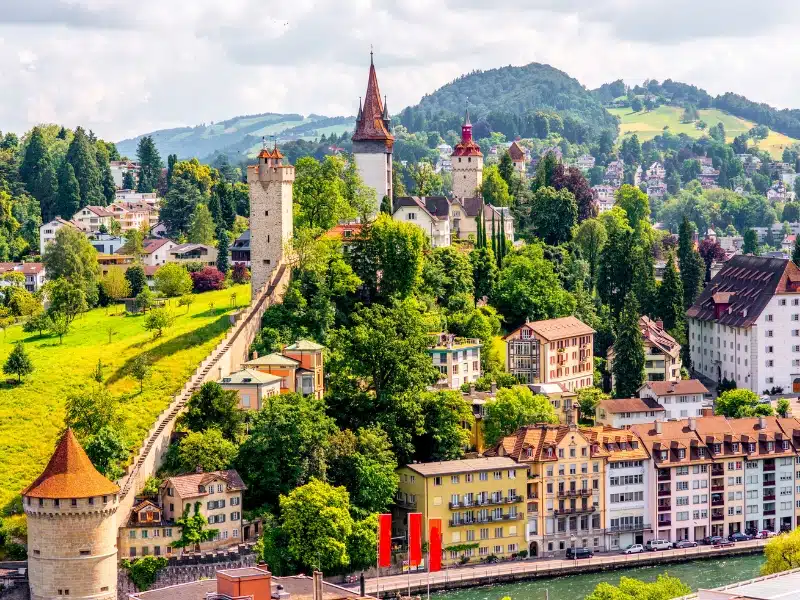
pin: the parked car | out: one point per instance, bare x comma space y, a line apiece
633, 549
575, 553
658, 545
712, 540
764, 534
764, 400
739, 537
685, 544
724, 542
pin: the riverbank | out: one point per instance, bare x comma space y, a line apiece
509, 572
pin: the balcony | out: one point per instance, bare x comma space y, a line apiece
769, 466
769, 496
630, 527
574, 493
410, 504
664, 492
575, 511
664, 507
533, 496
665, 522
717, 488
717, 471
717, 517
664, 476
718, 502
769, 512
488, 501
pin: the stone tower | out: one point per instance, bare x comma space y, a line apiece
467, 161
373, 142
271, 226
72, 528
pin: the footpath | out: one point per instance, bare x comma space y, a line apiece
505, 572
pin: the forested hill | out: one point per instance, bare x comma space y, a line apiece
507, 99
237, 136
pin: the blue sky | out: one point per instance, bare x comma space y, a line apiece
124, 68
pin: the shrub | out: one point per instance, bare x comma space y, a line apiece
173, 280
143, 572
210, 278
241, 274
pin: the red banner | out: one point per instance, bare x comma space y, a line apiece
384, 540
434, 545
414, 539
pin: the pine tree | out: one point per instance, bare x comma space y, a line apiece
386, 205
18, 362
228, 205
750, 245
149, 165
501, 243
670, 296
128, 181
796, 251
34, 153
478, 232
506, 168
223, 241
691, 264
644, 282
215, 206
69, 193
107, 185
44, 188
81, 155
628, 367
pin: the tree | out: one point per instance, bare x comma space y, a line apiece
207, 279
554, 214
186, 300
364, 464
144, 301
454, 272
782, 553
106, 449
18, 362
140, 369
128, 181
66, 299
150, 165
670, 296
710, 251
588, 399
514, 408
506, 168
590, 237
546, 172
783, 408
58, 325
635, 204
91, 409
484, 272
316, 520
83, 159
750, 245
38, 322
636, 105
193, 529
285, 421
207, 450
691, 264
796, 251
71, 256
173, 280
529, 289
137, 279
572, 180
68, 200
223, 241
115, 284
178, 206
201, 229
386, 205
494, 189
739, 403
240, 273
664, 588
628, 367
213, 407
157, 320
446, 415
143, 571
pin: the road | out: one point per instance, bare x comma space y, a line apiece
479, 574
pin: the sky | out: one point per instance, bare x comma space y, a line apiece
126, 68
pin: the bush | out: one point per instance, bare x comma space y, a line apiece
522, 554
143, 571
210, 278
241, 274
173, 280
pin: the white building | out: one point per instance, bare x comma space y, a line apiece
429, 213
680, 399
156, 252
120, 167
500, 213
92, 218
47, 231
662, 352
585, 162
106, 243
745, 325
623, 412
656, 171
604, 194
34, 273
124, 196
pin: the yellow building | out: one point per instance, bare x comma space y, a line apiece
481, 502
565, 486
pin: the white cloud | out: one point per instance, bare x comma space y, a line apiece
123, 68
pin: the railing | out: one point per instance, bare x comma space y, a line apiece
630, 527
717, 472
664, 492
575, 511
664, 476
664, 507
717, 517
769, 512
574, 493
486, 502
665, 522
768, 467
719, 502
405, 503
717, 488
769, 496
533, 496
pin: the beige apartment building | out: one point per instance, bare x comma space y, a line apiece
554, 351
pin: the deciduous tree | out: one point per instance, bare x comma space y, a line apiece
193, 529
514, 408
213, 407
782, 553
157, 320
554, 214
207, 450
172, 280
739, 403
446, 414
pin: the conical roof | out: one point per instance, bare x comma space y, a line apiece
70, 474
371, 125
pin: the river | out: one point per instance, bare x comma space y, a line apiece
697, 574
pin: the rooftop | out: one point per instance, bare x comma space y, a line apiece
274, 359
677, 388
250, 377
630, 405
70, 474
372, 119
437, 207
308, 345
463, 466
188, 486
556, 329
781, 586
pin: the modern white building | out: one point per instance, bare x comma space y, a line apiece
679, 399
745, 325
47, 231
429, 213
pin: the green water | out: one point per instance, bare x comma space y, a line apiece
698, 574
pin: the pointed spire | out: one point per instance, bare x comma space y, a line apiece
385, 109
371, 124
358, 118
370, 56
466, 112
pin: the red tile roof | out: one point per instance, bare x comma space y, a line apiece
516, 152
684, 386
625, 405
188, 486
370, 124
70, 474
467, 146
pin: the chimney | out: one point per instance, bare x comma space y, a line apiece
707, 412
316, 591
692, 424
658, 427
362, 585
255, 355
494, 388
762, 422
251, 582
660, 324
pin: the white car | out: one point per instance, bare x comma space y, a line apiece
654, 545
633, 549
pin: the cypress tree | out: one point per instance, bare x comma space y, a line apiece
502, 241
228, 204
69, 192
171, 160
107, 185
628, 367
494, 237
149, 164
44, 188
670, 296
215, 206
796, 251
478, 232
223, 241
691, 264
81, 155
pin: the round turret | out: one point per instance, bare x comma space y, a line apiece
72, 528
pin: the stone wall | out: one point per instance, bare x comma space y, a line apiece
225, 358
189, 568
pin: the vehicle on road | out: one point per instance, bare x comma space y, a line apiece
764, 400
633, 549
685, 544
739, 537
658, 545
764, 534
722, 543
576, 553
711, 540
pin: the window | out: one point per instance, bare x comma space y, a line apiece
411, 216
437, 481
454, 479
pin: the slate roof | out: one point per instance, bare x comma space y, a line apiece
471, 206
242, 242
188, 486
70, 474
437, 207
370, 124
745, 285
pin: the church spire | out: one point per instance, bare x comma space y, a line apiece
372, 123
466, 113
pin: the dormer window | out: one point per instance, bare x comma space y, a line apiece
751, 447
701, 452
785, 445
681, 453
529, 452
770, 446
734, 447
549, 453
664, 454
201, 489
717, 448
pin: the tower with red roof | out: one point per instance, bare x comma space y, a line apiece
373, 140
467, 161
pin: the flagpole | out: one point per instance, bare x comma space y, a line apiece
378, 565
428, 529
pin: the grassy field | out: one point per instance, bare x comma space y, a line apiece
648, 124
32, 414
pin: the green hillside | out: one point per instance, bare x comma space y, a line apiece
237, 136
648, 124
